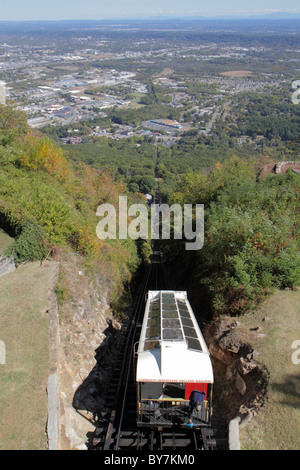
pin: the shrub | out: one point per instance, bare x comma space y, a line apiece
251, 226
29, 245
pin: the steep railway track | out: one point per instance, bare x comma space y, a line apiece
151, 90
117, 429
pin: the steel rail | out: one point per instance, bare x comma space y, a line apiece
125, 368
139, 310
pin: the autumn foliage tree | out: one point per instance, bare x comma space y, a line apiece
43, 154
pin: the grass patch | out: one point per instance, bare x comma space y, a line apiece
272, 331
24, 327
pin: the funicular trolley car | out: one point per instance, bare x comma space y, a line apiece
172, 361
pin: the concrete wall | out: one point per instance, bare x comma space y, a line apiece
234, 435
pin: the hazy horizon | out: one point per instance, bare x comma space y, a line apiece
72, 10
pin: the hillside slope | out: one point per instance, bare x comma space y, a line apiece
272, 330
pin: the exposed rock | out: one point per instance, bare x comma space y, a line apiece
240, 384
245, 417
219, 353
230, 372
246, 365
240, 381
283, 166
6, 266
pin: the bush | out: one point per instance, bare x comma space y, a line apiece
29, 245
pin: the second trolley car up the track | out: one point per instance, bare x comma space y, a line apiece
172, 361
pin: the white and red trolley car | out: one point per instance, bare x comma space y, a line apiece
172, 361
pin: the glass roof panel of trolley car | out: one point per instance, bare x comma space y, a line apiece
153, 322
170, 314
155, 306
167, 297
169, 319
171, 323
194, 344
190, 332
171, 326
153, 332
151, 345
169, 305
187, 322
172, 334
184, 313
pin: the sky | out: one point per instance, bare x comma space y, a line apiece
24, 10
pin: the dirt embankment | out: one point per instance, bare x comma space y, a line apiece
240, 381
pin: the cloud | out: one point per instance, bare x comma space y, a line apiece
268, 10
164, 12
263, 11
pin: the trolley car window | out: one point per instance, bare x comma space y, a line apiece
174, 390
151, 391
